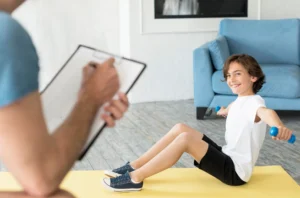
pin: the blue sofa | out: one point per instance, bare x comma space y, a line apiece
273, 43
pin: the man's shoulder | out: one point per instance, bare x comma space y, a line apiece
11, 31
19, 61
14, 40
8, 23
5, 18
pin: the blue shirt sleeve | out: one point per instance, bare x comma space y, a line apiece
19, 65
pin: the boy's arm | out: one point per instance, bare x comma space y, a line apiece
271, 118
224, 111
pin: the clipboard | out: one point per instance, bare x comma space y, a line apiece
60, 94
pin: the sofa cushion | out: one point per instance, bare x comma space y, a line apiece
269, 41
282, 81
219, 52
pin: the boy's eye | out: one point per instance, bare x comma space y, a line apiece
238, 74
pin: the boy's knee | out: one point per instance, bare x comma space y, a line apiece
183, 138
179, 127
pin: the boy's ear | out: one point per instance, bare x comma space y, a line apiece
253, 79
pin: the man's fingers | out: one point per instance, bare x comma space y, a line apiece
93, 64
123, 98
109, 120
116, 113
109, 62
119, 105
86, 72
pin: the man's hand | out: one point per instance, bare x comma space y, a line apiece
115, 110
100, 82
222, 112
284, 133
39, 161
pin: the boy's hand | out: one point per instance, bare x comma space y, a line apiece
222, 112
284, 133
115, 110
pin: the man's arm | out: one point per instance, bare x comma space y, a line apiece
271, 118
58, 194
38, 160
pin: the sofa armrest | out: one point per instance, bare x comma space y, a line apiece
203, 70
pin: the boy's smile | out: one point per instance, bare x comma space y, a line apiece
239, 80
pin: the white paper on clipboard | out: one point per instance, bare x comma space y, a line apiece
60, 95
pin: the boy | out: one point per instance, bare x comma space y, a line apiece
233, 163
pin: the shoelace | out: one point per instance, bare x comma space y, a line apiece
123, 179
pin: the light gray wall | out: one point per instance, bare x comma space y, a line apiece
59, 26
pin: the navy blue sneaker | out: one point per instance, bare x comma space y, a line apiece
122, 183
119, 171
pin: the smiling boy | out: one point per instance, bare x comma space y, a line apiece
232, 163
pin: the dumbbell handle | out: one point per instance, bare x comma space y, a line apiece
274, 132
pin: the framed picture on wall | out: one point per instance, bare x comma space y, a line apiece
185, 16
168, 9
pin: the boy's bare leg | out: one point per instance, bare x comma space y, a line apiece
163, 143
59, 194
190, 142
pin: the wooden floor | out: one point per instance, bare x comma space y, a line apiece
146, 123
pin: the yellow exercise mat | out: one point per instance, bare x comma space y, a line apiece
267, 181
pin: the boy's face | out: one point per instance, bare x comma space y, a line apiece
239, 80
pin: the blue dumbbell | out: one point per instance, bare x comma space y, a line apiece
217, 108
274, 132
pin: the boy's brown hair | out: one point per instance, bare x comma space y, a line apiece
251, 65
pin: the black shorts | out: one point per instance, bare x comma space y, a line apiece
218, 164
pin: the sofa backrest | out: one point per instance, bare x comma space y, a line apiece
269, 41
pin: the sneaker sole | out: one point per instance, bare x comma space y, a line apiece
119, 190
111, 174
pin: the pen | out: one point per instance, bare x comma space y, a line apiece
92, 65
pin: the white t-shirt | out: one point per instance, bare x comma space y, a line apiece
243, 136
